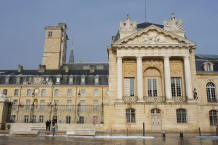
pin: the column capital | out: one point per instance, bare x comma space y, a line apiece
166, 57
120, 57
139, 57
186, 57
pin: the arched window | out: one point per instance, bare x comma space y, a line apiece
130, 115
155, 111
213, 117
211, 92
181, 115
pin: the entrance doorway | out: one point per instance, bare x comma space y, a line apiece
156, 124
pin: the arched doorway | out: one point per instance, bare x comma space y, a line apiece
156, 123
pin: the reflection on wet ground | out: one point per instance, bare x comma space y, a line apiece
171, 139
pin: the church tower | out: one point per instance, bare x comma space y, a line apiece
55, 46
71, 60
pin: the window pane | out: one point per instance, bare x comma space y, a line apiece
69, 92
43, 92
132, 87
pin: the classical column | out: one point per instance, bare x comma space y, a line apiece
188, 82
119, 78
139, 78
167, 78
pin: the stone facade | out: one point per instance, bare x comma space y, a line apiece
153, 77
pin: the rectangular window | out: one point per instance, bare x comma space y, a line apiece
68, 119
56, 92
14, 107
129, 86
152, 87
26, 118
83, 92
130, 115
69, 92
181, 115
29, 92
82, 106
27, 107
81, 120
41, 118
5, 92
16, 92
43, 92
42, 105
176, 87
95, 106
56, 104
49, 33
69, 105
96, 93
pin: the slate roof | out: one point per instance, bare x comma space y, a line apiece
202, 58
77, 70
146, 24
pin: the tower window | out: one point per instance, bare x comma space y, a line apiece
49, 34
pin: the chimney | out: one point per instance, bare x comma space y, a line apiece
66, 68
42, 68
20, 68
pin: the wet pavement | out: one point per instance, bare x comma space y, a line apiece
171, 139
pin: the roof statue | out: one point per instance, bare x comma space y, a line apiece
173, 25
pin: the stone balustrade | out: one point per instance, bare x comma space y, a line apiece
158, 99
130, 99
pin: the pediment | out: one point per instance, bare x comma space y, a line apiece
153, 35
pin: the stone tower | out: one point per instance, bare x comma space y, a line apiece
55, 46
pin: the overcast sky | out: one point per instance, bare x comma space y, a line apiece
91, 24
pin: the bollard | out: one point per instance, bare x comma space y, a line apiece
111, 131
143, 131
127, 132
181, 134
199, 131
163, 134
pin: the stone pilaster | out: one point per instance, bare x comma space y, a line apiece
119, 78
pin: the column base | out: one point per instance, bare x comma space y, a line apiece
119, 100
192, 101
140, 101
170, 101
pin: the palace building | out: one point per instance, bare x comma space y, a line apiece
153, 77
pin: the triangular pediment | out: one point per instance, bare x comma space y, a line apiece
154, 35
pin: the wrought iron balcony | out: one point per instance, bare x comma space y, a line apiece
130, 99
156, 99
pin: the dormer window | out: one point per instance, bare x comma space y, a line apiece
208, 66
83, 80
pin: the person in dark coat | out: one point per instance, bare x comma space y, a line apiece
49, 125
46, 124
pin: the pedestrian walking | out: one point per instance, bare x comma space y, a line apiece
53, 127
46, 124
